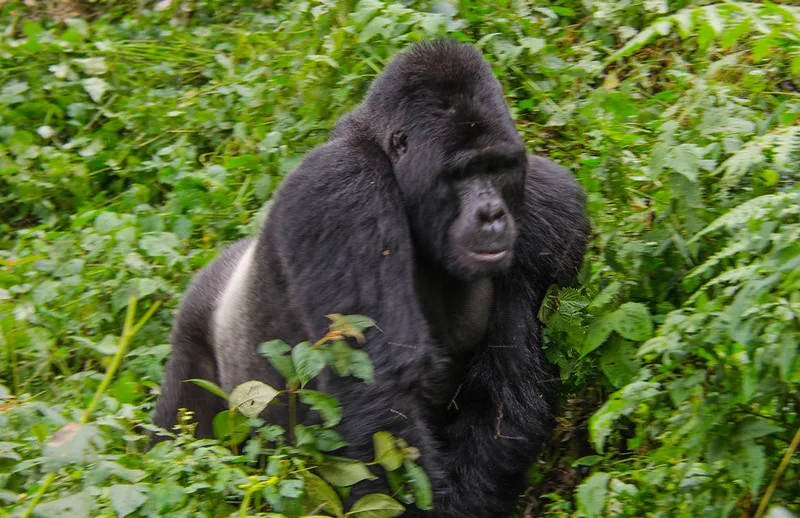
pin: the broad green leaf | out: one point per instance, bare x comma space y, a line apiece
78, 505
591, 494
619, 362
274, 348
126, 498
598, 332
230, 425
252, 397
376, 505
322, 495
308, 361
387, 454
343, 474
632, 321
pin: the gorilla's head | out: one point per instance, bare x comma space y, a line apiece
439, 114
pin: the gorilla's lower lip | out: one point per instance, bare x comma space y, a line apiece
489, 256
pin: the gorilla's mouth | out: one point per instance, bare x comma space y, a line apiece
489, 257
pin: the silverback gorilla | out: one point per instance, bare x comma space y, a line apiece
424, 212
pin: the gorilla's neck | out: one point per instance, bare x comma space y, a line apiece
457, 311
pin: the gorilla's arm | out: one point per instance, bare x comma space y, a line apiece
509, 389
345, 247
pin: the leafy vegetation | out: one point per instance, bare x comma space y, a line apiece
137, 138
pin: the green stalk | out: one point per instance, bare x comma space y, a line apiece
762, 506
129, 330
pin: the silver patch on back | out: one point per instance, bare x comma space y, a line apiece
230, 320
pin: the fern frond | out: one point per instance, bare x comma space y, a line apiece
755, 208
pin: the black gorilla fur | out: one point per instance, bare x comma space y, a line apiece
423, 212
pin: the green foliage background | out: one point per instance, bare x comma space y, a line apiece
137, 138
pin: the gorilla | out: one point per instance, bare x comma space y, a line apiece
424, 212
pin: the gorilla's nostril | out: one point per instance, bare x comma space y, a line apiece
491, 212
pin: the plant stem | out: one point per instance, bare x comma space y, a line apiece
129, 330
38, 496
292, 413
762, 506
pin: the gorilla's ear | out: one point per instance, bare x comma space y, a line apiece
398, 143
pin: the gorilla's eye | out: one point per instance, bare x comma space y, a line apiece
399, 142
446, 106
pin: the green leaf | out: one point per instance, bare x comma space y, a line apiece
274, 348
321, 495
753, 428
750, 466
126, 498
252, 397
274, 351
349, 326
73, 506
209, 386
591, 494
361, 366
598, 332
340, 357
605, 297
343, 474
387, 454
420, 485
632, 321
376, 505
230, 425
619, 362
327, 405
620, 404
308, 361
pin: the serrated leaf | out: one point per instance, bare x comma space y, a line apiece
343, 474
361, 366
252, 397
387, 454
605, 297
376, 505
322, 495
632, 321
591, 494
126, 498
327, 405
308, 361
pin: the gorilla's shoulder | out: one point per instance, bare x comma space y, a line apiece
555, 226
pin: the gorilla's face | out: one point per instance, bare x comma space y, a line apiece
459, 161
481, 238
463, 179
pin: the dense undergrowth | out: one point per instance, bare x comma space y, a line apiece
136, 139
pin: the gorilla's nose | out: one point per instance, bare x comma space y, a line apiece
492, 216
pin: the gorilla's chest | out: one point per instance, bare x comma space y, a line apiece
456, 311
